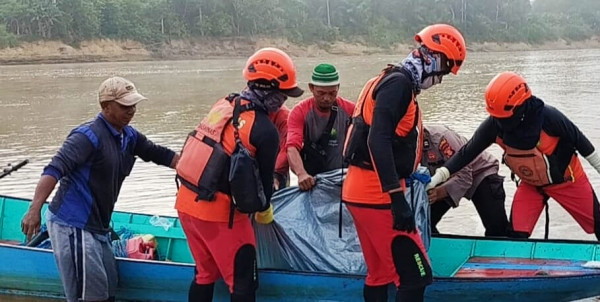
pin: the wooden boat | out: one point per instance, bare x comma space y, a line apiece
465, 268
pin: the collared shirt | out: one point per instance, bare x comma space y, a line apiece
445, 142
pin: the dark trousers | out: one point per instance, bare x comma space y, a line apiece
488, 200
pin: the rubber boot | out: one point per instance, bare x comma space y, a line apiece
410, 295
243, 298
375, 293
201, 292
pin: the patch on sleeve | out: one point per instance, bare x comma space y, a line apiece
445, 148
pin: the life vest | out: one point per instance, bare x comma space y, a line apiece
534, 167
205, 165
203, 159
409, 136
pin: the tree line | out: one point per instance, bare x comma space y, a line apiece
378, 22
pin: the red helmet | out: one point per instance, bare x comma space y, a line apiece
271, 68
445, 39
504, 93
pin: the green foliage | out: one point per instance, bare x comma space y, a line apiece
381, 33
380, 22
7, 39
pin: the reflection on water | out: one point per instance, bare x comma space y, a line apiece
39, 104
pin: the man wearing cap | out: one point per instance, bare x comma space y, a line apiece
91, 166
317, 128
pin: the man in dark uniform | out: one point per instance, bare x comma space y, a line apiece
479, 181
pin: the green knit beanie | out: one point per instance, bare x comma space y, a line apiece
325, 75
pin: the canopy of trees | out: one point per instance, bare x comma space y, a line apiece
380, 22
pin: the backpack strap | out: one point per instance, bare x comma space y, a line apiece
324, 138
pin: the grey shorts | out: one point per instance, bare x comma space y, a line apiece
85, 262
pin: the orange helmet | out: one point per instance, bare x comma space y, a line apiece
445, 39
271, 68
504, 93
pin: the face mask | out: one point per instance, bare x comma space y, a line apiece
430, 81
425, 68
513, 122
432, 69
274, 100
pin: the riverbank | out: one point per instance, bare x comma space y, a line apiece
104, 50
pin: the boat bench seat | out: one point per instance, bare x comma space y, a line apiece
492, 267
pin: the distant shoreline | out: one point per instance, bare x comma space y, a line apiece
104, 50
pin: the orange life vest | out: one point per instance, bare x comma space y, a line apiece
205, 160
362, 184
533, 166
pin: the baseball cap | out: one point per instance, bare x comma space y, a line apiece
119, 90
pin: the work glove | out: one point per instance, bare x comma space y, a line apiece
441, 175
404, 219
594, 160
265, 217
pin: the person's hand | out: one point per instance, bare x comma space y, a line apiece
436, 194
306, 182
31, 223
265, 217
275, 184
441, 175
404, 219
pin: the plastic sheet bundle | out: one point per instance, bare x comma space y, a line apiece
304, 236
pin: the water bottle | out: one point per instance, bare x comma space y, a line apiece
161, 222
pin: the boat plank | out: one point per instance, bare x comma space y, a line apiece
495, 267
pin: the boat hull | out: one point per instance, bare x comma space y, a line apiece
32, 271
465, 268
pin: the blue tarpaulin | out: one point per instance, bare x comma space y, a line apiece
304, 235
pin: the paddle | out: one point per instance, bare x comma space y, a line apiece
9, 169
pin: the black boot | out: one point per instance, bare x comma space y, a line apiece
375, 293
243, 298
410, 295
201, 292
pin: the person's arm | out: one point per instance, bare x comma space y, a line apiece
281, 164
392, 101
484, 136
564, 128
264, 137
305, 180
149, 151
30, 225
295, 139
75, 151
458, 185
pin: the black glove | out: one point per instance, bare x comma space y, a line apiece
404, 219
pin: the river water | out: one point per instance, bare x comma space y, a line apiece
40, 104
